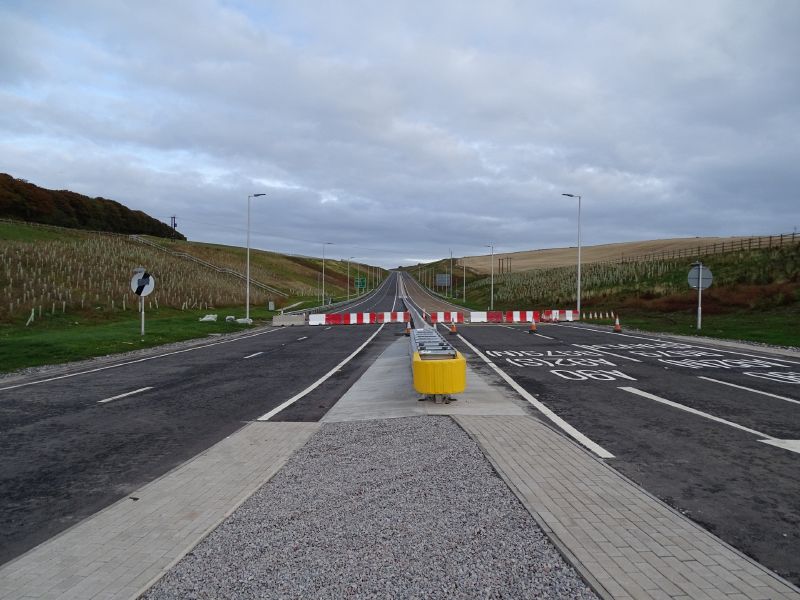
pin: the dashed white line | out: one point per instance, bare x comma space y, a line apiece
139, 360
305, 337
561, 423
144, 389
254, 355
547, 337
741, 387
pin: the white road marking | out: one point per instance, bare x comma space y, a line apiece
561, 423
138, 360
254, 355
144, 389
319, 381
593, 349
326, 329
790, 445
673, 341
544, 336
305, 337
741, 387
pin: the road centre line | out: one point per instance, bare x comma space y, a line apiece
561, 423
671, 341
254, 355
741, 387
593, 349
138, 360
318, 382
144, 389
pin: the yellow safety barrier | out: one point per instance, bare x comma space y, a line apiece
440, 376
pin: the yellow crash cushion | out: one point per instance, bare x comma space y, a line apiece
447, 376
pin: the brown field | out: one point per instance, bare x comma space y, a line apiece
564, 257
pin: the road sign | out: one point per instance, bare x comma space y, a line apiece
443, 279
360, 283
142, 283
695, 279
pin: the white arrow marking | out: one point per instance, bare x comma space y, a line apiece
144, 389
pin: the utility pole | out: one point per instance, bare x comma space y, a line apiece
174, 226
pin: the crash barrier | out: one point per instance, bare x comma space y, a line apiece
560, 315
284, 320
359, 318
438, 369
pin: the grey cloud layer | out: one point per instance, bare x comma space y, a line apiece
402, 130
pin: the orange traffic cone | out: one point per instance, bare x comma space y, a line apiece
533, 327
453, 329
617, 327
408, 329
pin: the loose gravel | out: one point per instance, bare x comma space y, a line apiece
395, 508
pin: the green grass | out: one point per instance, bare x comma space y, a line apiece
65, 338
28, 233
779, 326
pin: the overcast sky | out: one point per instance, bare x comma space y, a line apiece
401, 130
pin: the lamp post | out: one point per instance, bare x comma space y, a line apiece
491, 304
348, 277
247, 293
579, 248
323, 269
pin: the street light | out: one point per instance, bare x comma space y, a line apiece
491, 305
247, 294
579, 249
323, 269
348, 277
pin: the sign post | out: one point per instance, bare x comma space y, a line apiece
142, 284
700, 278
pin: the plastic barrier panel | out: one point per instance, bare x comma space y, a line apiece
316, 319
494, 316
477, 317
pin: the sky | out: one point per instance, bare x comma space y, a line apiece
399, 131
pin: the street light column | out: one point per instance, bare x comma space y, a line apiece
247, 292
579, 248
491, 302
323, 269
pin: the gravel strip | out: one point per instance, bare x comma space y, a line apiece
395, 508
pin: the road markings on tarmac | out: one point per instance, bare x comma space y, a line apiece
144, 389
319, 381
791, 445
547, 337
300, 339
741, 387
254, 355
139, 360
561, 423
592, 348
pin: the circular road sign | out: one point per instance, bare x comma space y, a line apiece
142, 283
694, 277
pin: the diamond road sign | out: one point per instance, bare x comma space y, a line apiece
695, 281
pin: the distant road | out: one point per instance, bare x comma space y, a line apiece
71, 445
687, 421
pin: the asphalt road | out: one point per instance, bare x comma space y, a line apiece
633, 395
71, 445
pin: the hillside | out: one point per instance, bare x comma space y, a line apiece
564, 257
24, 201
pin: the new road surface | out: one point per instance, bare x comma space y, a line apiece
712, 430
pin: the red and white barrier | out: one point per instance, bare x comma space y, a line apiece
359, 318
522, 316
446, 317
560, 315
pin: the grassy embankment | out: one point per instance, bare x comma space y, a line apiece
77, 284
755, 295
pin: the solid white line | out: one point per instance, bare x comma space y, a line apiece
694, 411
592, 348
138, 360
673, 341
144, 389
318, 382
561, 423
253, 355
741, 387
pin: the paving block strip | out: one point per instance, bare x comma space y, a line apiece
625, 542
122, 550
